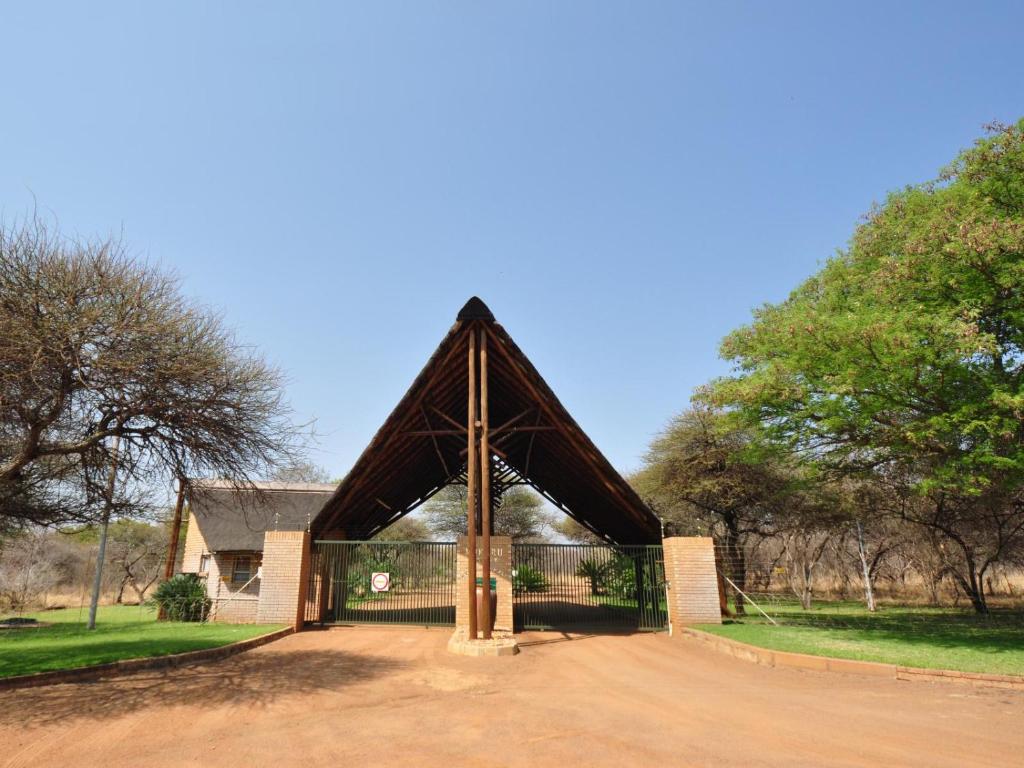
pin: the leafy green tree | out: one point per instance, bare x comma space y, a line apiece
902, 360
409, 528
520, 514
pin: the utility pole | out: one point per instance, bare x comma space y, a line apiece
108, 503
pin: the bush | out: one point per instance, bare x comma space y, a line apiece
183, 598
527, 579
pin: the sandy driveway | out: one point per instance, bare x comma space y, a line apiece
355, 697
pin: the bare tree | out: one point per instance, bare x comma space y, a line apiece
27, 569
301, 472
95, 345
136, 553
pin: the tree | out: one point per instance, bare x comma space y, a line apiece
28, 568
96, 347
301, 472
568, 528
136, 552
902, 360
705, 471
520, 514
409, 528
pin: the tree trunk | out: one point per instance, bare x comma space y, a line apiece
869, 592
737, 566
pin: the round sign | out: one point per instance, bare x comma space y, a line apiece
380, 582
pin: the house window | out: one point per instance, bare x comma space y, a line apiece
242, 569
204, 564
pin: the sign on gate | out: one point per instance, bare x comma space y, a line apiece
380, 582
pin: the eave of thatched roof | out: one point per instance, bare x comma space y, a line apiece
233, 518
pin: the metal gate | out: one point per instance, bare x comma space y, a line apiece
382, 582
588, 587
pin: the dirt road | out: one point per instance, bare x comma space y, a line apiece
362, 697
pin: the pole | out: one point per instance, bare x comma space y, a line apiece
485, 487
471, 478
172, 545
108, 502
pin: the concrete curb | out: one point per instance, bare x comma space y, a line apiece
129, 666
770, 658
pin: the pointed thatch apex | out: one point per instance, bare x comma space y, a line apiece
475, 309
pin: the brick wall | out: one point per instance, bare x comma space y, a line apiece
501, 571
195, 546
232, 602
692, 581
285, 576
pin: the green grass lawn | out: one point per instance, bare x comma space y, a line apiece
122, 632
935, 638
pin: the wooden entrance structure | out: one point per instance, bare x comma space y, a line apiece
480, 414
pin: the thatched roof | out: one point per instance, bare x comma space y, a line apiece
421, 446
235, 520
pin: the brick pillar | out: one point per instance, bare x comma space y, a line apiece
692, 580
501, 572
285, 578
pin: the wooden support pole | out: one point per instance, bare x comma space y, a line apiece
175, 535
485, 488
471, 486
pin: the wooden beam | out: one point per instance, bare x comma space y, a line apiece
471, 484
437, 448
449, 419
485, 487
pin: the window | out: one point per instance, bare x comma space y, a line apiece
204, 564
242, 569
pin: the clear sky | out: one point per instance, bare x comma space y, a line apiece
620, 182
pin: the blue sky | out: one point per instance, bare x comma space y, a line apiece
620, 182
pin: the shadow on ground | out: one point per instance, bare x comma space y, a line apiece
248, 680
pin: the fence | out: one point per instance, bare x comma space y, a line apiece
585, 586
761, 582
382, 582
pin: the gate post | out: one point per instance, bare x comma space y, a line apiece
285, 578
501, 571
692, 577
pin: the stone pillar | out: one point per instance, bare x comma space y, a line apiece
692, 577
285, 579
501, 572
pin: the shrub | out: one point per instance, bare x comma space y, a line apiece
527, 579
183, 598
594, 572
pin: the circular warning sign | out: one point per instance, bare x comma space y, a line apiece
380, 582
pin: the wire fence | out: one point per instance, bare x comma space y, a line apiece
764, 582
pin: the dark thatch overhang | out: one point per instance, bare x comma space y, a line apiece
422, 447
234, 518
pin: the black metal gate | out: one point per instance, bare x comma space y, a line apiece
382, 582
588, 587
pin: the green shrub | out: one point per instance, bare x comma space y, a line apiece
620, 577
183, 598
527, 579
594, 572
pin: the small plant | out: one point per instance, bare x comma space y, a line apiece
527, 579
594, 572
183, 598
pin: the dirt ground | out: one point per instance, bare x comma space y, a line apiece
369, 697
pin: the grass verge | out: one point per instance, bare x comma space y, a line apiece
931, 638
122, 632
